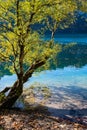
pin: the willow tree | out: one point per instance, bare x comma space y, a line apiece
23, 48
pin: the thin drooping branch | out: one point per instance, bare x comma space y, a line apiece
4, 18
14, 60
20, 42
15, 68
21, 55
4, 57
29, 23
17, 10
4, 36
48, 5
8, 29
30, 20
33, 13
4, 8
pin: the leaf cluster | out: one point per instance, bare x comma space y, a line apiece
20, 44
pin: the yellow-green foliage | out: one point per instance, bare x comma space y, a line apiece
16, 18
83, 5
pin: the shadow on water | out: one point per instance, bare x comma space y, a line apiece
68, 102
71, 91
77, 115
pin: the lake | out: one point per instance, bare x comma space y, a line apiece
67, 81
67, 38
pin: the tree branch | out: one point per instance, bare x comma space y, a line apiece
8, 29
5, 90
4, 18
33, 67
4, 57
17, 8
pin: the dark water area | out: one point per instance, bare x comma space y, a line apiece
74, 52
69, 38
75, 55
71, 63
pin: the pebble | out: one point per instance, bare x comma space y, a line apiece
24, 120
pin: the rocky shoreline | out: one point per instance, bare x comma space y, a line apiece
35, 120
48, 113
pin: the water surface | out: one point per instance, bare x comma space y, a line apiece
68, 82
67, 38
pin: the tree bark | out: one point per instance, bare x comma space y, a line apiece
13, 95
17, 88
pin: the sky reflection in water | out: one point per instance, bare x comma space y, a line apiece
69, 84
59, 77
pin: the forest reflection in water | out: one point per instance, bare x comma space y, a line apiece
71, 55
67, 81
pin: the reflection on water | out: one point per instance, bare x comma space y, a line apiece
68, 82
75, 55
60, 77
68, 87
67, 38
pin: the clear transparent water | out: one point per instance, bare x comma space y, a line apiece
64, 76
68, 84
60, 77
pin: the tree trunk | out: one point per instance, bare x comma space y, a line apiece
17, 88
13, 95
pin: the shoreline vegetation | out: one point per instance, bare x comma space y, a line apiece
29, 97
68, 123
